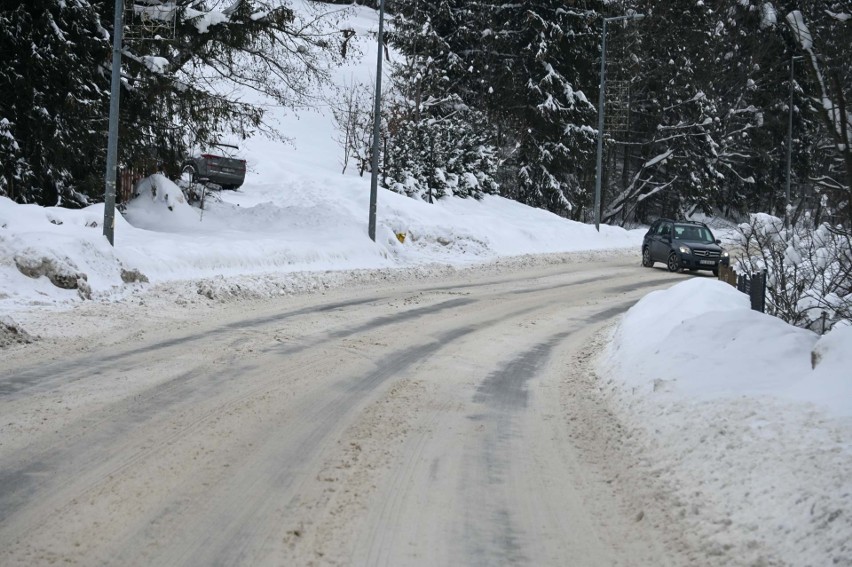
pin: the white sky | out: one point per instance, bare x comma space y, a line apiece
723, 401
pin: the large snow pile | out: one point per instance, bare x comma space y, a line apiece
742, 421
298, 225
50, 255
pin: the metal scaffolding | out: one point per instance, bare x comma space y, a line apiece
617, 106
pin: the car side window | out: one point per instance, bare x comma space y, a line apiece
665, 229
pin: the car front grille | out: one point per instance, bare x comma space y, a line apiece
706, 253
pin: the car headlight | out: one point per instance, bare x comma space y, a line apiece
685, 250
725, 254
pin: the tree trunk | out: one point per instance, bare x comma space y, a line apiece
845, 142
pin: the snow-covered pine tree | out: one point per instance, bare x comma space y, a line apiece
53, 108
677, 120
522, 65
731, 141
821, 32
751, 90
443, 153
752, 53
438, 144
175, 93
544, 59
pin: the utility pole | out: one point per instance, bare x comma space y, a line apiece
377, 122
112, 141
789, 202
599, 163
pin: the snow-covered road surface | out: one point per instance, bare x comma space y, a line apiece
423, 422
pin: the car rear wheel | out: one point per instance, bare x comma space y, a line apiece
674, 263
646, 257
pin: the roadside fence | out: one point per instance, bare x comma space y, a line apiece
128, 177
753, 285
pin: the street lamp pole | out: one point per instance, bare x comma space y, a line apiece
599, 164
377, 122
790, 137
112, 140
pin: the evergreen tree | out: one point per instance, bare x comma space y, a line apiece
444, 154
822, 33
53, 108
438, 143
522, 65
174, 93
750, 92
550, 118
678, 120
711, 96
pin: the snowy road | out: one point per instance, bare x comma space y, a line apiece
421, 423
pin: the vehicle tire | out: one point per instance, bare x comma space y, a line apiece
674, 263
646, 257
716, 272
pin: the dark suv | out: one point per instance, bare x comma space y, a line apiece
682, 244
223, 168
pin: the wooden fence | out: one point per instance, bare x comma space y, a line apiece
753, 285
128, 177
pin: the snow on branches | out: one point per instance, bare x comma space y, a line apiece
809, 269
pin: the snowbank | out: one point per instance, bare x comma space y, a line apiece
299, 225
739, 422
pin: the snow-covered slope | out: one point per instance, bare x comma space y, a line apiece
295, 212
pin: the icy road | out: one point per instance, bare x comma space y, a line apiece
427, 421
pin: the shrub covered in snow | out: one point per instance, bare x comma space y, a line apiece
809, 269
159, 188
435, 157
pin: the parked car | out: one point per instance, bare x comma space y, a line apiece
221, 167
682, 245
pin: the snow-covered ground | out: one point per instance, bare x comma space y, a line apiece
741, 424
744, 421
295, 213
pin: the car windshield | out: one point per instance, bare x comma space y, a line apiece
693, 233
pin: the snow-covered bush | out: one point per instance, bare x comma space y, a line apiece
430, 158
160, 189
809, 269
